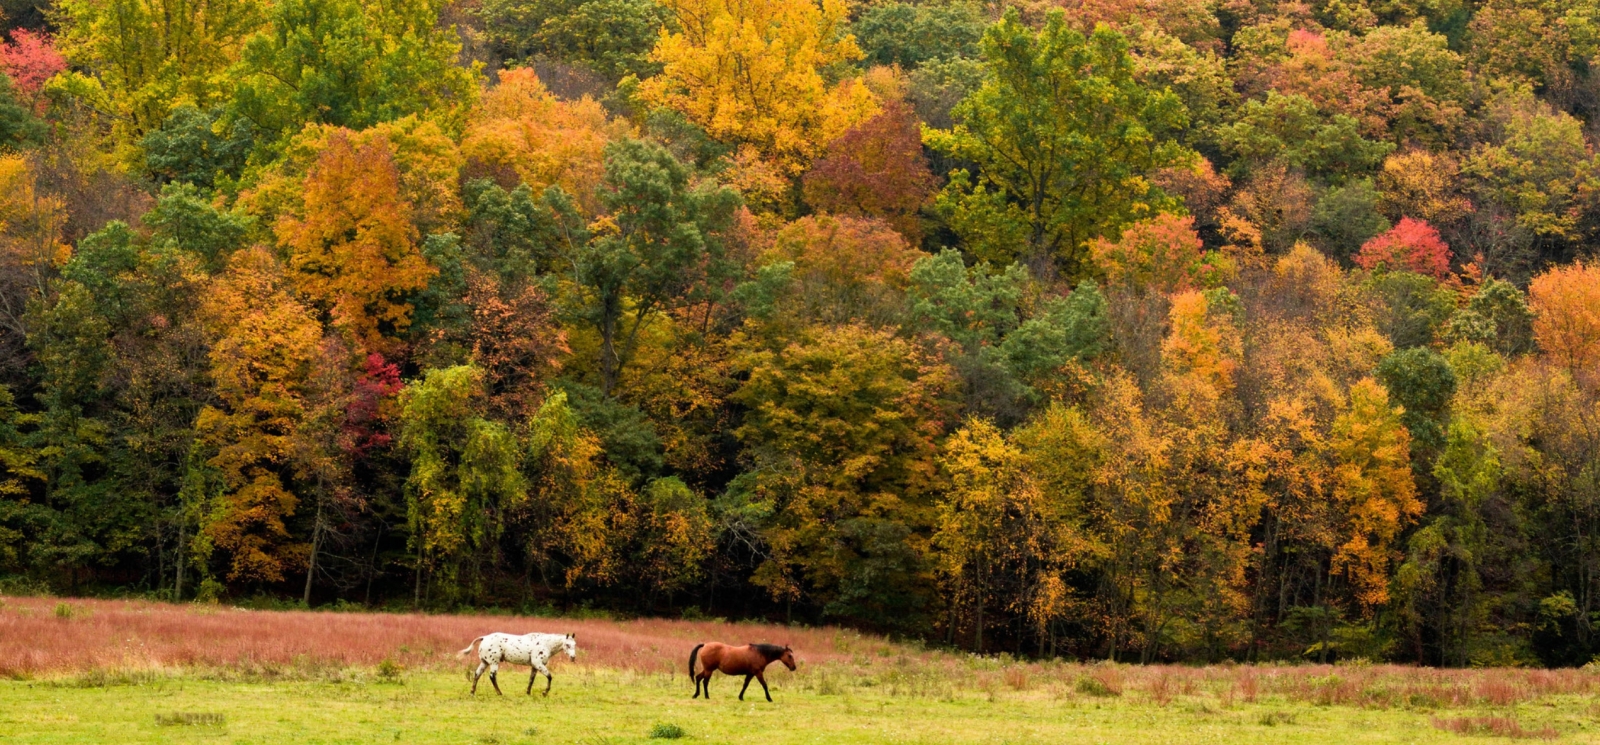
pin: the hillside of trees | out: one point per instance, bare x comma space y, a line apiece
1143, 329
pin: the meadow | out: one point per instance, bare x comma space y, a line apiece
136, 672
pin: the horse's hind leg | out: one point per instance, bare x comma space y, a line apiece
763, 680
708, 686
493, 680
696, 686
746, 686
476, 675
532, 676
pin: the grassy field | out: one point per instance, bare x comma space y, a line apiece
186, 673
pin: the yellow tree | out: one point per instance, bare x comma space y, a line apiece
1566, 301
1371, 490
999, 540
354, 249
755, 71
265, 344
519, 126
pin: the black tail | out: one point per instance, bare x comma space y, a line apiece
692, 655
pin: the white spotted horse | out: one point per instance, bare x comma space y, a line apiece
527, 649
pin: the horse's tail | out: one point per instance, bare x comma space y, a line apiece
470, 646
693, 653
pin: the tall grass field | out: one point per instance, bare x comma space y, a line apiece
82, 671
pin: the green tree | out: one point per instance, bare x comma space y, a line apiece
660, 247
351, 64
1288, 128
465, 477
611, 37
1063, 136
138, 59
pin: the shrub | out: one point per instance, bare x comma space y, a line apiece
665, 731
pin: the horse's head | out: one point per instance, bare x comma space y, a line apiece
570, 646
787, 658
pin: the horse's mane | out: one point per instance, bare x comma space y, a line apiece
769, 651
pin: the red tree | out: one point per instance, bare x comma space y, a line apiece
875, 169
1413, 246
29, 60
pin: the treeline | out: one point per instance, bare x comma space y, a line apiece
1178, 330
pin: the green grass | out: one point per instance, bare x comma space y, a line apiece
601, 706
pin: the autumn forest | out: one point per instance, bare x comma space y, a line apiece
1152, 330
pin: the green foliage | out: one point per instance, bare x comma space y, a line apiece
1062, 134
1289, 129
188, 149
611, 37
350, 64
1421, 380
1409, 308
18, 126
465, 470
664, 251
1498, 316
908, 34
182, 218
1347, 216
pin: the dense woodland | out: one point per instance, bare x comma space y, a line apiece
1142, 329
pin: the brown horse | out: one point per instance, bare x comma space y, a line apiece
750, 660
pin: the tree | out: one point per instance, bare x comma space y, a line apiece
265, 343
1289, 128
465, 476
756, 73
138, 57
875, 169
998, 539
1162, 253
909, 34
18, 127
353, 250
1566, 322
1371, 489
1411, 245
1497, 316
841, 425
1348, 216
1062, 134
186, 148
546, 142
1421, 382
611, 37
1539, 167
29, 60
351, 64
842, 269
660, 247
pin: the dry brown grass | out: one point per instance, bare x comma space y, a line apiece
108, 642
46, 636
1493, 727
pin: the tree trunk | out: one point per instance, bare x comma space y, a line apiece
178, 586
311, 565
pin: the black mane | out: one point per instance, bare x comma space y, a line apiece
769, 651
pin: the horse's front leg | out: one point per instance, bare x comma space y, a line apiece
746, 686
763, 680
548, 680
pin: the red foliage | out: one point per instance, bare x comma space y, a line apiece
875, 169
1413, 246
29, 60
378, 385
